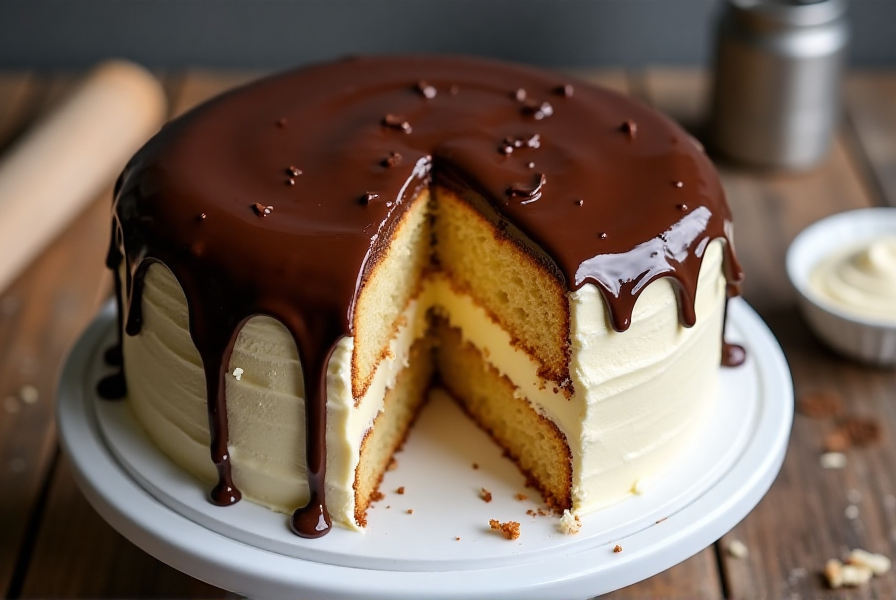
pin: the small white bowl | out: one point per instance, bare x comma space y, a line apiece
866, 339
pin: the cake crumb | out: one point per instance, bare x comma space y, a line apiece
390, 506
820, 404
377, 496
510, 529
521, 497
853, 431
738, 549
840, 575
541, 513
400, 490
832, 460
836, 441
410, 511
457, 539
29, 394
861, 432
238, 373
393, 464
570, 523
877, 563
475, 466
617, 549
485, 495
531, 513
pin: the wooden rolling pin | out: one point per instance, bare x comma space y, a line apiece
71, 156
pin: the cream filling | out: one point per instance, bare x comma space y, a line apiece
860, 280
640, 396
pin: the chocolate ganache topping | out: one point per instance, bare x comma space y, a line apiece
276, 199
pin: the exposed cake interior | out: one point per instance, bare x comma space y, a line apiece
586, 412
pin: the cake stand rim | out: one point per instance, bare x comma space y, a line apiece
259, 573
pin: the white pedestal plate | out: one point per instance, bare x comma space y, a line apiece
249, 550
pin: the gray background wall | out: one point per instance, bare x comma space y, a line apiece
276, 33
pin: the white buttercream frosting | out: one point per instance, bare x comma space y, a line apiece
860, 280
640, 396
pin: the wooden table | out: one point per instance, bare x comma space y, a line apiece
52, 543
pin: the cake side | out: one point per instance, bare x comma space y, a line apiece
632, 413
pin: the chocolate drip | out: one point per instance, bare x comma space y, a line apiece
114, 386
304, 263
313, 520
733, 355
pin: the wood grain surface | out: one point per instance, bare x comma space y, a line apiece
53, 545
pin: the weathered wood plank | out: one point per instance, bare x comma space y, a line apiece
801, 522
81, 556
16, 90
40, 314
871, 104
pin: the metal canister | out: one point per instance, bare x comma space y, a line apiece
776, 91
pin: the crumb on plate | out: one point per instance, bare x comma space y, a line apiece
510, 529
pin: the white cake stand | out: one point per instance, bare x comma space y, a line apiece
249, 550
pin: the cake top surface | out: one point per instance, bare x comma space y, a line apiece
295, 179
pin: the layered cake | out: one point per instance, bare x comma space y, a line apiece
300, 259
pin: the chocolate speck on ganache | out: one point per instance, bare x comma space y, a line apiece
678, 184
528, 193
531, 165
532, 141
564, 90
368, 197
682, 207
396, 122
201, 217
580, 202
505, 149
292, 171
602, 235
520, 95
394, 159
290, 181
537, 110
630, 128
281, 123
453, 90
428, 91
261, 210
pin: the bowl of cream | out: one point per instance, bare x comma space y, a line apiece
844, 269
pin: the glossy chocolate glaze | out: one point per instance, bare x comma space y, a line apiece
276, 199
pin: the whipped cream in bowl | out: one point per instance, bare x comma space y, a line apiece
844, 269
